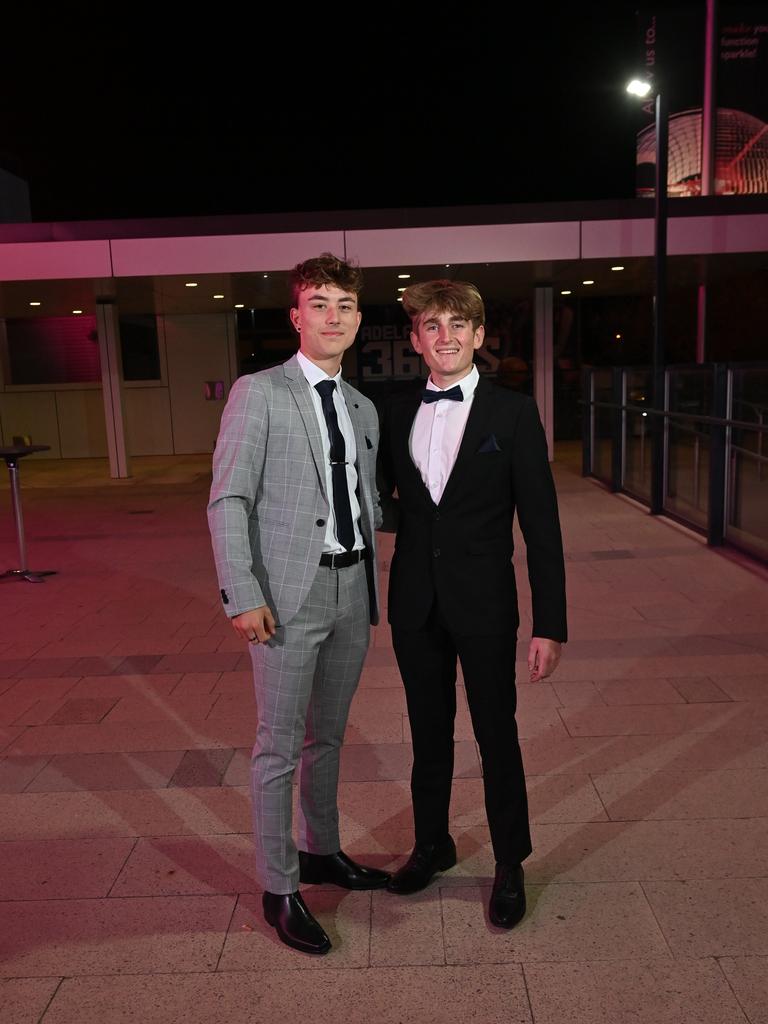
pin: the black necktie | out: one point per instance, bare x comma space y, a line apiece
345, 530
455, 394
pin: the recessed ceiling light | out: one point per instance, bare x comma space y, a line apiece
448, 265
400, 298
239, 305
401, 289
403, 276
191, 284
76, 311
587, 282
618, 337
35, 303
566, 291
266, 275
218, 296
617, 268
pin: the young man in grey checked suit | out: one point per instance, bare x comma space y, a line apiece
292, 516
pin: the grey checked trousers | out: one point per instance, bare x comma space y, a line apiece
305, 678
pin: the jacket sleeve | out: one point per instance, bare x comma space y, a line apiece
238, 463
540, 524
385, 478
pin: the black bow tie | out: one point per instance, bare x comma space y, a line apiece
455, 394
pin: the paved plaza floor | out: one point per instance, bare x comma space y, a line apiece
126, 718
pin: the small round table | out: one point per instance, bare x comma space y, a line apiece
12, 456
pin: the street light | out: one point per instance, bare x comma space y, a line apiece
642, 88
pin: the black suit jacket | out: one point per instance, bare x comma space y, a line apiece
460, 550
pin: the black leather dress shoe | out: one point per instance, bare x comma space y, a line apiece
339, 869
294, 924
418, 871
507, 906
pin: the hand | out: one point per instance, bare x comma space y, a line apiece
543, 656
256, 625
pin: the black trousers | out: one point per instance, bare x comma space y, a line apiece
426, 658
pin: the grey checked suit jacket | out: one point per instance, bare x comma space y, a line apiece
268, 504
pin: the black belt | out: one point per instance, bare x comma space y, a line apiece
346, 558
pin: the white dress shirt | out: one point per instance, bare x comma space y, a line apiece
437, 432
314, 375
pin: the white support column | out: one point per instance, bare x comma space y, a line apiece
111, 380
543, 367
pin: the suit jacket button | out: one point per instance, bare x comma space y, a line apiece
436, 552
320, 522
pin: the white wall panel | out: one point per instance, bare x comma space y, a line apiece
491, 243
616, 239
148, 416
218, 254
197, 351
81, 424
32, 413
47, 261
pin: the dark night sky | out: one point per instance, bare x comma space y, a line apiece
229, 113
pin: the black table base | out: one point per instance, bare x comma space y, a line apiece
12, 456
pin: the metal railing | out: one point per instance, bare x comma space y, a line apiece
700, 459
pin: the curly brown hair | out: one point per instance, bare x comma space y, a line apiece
444, 296
325, 269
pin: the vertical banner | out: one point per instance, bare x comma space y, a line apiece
741, 144
671, 52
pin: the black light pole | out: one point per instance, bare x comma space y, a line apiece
659, 304
658, 381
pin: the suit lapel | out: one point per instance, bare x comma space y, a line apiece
402, 434
477, 427
299, 388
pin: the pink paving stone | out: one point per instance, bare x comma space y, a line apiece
668, 719
142, 812
118, 686
24, 1000
643, 992
202, 645
734, 793
699, 690
754, 687
201, 768
407, 931
7, 736
564, 922
649, 850
215, 662
183, 865
160, 708
114, 936
97, 666
390, 995
127, 736
717, 917
37, 667
60, 869
234, 705
748, 977
11, 667
80, 710
16, 773
577, 694
194, 683
95, 772
618, 692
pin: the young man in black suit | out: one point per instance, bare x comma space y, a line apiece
463, 456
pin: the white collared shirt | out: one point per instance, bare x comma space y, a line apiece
314, 375
437, 432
